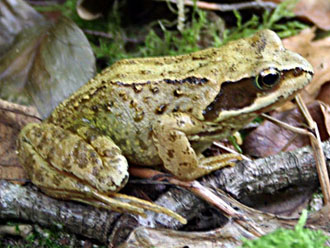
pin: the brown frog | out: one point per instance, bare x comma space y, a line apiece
157, 111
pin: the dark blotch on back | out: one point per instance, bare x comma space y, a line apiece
160, 109
259, 43
178, 92
191, 80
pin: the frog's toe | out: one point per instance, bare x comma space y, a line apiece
134, 202
219, 161
115, 201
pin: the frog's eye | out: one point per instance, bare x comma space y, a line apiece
267, 79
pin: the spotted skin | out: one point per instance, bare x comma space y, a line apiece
157, 111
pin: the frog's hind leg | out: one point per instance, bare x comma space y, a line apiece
83, 166
93, 159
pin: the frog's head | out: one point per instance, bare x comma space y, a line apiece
270, 75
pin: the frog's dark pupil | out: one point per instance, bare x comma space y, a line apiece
270, 79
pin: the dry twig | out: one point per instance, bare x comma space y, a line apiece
228, 7
314, 136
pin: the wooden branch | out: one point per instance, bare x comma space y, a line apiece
265, 175
29, 204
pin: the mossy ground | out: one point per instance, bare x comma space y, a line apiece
299, 237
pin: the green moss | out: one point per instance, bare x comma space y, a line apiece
269, 20
300, 237
49, 238
174, 42
165, 39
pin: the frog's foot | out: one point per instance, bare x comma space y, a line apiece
91, 197
206, 165
219, 161
116, 202
142, 204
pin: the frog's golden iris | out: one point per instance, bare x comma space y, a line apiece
267, 79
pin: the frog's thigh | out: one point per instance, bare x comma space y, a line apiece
99, 162
169, 135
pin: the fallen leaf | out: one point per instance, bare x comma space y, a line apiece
325, 93
14, 174
16, 15
287, 202
92, 9
316, 11
269, 139
13, 118
48, 61
326, 113
317, 53
320, 218
15, 52
64, 62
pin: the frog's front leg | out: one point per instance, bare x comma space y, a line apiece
82, 165
170, 137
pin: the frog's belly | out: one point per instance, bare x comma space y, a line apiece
137, 150
133, 138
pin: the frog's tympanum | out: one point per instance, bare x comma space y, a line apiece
157, 111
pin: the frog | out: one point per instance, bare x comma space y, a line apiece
160, 111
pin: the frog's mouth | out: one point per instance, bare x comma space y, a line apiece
278, 103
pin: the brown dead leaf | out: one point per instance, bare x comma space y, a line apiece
320, 219
316, 11
12, 118
48, 61
15, 16
15, 174
269, 139
326, 113
325, 93
317, 53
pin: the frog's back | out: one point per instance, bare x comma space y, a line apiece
125, 109
126, 99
